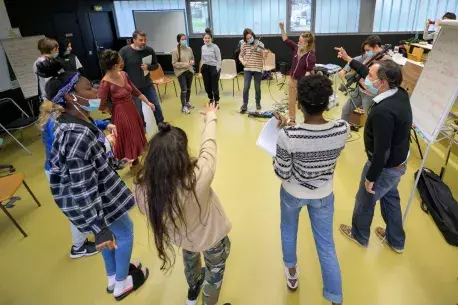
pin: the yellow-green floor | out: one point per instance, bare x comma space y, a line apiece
38, 271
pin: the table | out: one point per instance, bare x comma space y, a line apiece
423, 46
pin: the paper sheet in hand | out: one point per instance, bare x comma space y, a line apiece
268, 138
147, 61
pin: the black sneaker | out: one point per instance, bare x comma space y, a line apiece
87, 249
258, 107
243, 109
193, 292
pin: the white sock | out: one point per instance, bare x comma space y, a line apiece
111, 281
123, 286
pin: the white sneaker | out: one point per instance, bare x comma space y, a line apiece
292, 281
190, 106
185, 110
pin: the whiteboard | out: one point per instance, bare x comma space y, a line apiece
5, 25
5, 81
162, 28
22, 53
437, 87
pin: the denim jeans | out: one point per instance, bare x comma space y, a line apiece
151, 95
386, 190
185, 80
257, 86
78, 238
321, 212
117, 261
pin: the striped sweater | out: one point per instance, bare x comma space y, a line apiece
250, 57
306, 157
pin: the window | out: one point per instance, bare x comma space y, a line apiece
199, 16
409, 15
337, 16
231, 17
301, 16
125, 18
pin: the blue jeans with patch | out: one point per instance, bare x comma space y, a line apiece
151, 95
386, 190
117, 261
321, 213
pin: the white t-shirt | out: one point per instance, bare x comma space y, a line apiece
41, 80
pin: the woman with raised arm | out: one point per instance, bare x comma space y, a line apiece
303, 63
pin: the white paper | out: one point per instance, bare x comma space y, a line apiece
268, 137
147, 61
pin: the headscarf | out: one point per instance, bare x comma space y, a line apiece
66, 87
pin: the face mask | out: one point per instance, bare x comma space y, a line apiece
370, 86
369, 53
55, 54
251, 40
138, 48
183, 43
94, 103
208, 43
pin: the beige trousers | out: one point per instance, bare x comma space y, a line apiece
292, 98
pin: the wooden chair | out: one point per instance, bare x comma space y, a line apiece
198, 77
8, 186
270, 65
416, 54
158, 77
229, 71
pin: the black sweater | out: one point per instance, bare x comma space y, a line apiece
132, 65
387, 130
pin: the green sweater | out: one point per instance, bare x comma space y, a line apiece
181, 62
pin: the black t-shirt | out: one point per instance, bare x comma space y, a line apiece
132, 65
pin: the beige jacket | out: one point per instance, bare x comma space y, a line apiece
181, 63
211, 225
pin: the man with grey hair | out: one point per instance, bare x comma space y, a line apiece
386, 140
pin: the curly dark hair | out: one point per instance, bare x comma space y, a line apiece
313, 93
109, 59
167, 174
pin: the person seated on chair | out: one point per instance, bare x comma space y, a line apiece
361, 97
303, 62
432, 36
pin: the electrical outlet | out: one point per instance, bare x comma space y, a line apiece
90, 52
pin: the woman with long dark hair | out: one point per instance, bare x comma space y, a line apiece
211, 66
86, 187
174, 190
183, 62
116, 84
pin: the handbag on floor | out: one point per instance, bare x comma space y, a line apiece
437, 200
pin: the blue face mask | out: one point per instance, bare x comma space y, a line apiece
370, 86
251, 40
369, 53
55, 54
183, 43
94, 103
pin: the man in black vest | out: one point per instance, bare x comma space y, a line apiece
386, 139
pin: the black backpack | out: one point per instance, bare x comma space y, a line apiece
438, 201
